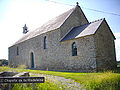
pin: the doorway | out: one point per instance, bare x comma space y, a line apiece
32, 60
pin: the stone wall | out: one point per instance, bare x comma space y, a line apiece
42, 57
93, 51
85, 61
57, 56
105, 48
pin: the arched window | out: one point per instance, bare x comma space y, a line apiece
74, 49
45, 42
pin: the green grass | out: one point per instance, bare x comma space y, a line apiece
39, 86
91, 81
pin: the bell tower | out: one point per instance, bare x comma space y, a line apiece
25, 29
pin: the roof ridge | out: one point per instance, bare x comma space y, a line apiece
91, 22
97, 20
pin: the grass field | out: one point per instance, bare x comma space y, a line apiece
91, 81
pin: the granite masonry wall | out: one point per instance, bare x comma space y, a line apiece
105, 48
95, 52
57, 55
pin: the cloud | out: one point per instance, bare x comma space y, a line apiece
117, 35
117, 45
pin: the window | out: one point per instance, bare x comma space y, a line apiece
45, 42
74, 49
17, 51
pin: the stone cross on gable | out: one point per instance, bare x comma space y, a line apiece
77, 4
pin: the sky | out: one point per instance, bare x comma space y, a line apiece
15, 13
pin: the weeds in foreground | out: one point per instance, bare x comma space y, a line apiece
39, 86
104, 81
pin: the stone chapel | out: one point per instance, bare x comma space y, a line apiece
68, 42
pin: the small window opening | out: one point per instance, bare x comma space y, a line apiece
74, 49
45, 43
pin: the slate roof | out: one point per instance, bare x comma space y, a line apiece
49, 26
84, 30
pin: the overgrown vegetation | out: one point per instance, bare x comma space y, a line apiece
39, 86
91, 81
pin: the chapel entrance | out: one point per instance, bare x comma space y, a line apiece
32, 60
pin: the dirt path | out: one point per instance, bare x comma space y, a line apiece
68, 84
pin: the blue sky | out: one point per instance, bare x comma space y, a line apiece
15, 13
